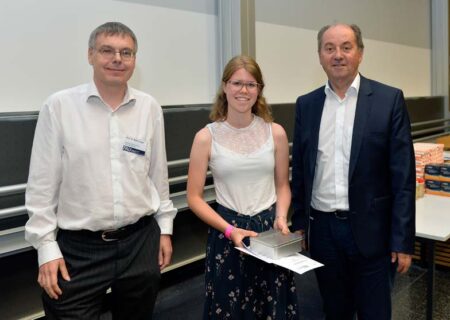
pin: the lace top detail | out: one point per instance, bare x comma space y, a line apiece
244, 141
242, 163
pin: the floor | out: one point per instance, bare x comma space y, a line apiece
181, 295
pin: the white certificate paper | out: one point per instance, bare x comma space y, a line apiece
296, 262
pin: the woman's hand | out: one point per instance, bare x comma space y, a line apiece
238, 234
280, 223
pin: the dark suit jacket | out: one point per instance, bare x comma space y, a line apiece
381, 172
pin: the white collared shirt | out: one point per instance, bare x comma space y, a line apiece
330, 186
94, 168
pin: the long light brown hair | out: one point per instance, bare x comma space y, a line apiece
260, 108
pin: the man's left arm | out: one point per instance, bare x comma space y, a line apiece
403, 177
159, 176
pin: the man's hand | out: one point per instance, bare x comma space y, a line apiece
404, 261
165, 251
48, 277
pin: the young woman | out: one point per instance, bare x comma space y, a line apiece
248, 156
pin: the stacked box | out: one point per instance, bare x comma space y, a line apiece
437, 179
427, 153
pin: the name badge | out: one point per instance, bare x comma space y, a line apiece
134, 145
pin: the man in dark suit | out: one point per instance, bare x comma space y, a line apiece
353, 181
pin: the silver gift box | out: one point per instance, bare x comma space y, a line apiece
273, 244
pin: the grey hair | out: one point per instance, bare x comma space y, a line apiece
354, 27
112, 28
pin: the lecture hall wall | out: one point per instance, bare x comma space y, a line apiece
44, 46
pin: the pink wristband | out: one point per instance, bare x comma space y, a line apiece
228, 231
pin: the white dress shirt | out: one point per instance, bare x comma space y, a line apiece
330, 186
93, 168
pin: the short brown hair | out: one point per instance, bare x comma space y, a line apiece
112, 29
354, 27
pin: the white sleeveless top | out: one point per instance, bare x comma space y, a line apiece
242, 163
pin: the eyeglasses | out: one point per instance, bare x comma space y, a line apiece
238, 85
110, 53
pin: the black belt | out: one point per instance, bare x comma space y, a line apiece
339, 214
112, 234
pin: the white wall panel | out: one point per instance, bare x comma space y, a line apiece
44, 49
397, 21
290, 64
408, 68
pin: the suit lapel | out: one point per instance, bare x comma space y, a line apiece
362, 113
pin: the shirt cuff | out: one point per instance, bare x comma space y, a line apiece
48, 252
165, 215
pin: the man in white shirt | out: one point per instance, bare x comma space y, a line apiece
97, 192
353, 181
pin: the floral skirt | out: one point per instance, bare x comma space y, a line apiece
239, 286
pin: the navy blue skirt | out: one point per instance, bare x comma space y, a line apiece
239, 286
